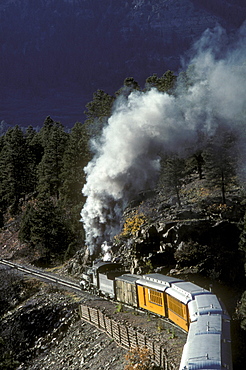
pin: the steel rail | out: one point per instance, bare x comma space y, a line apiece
40, 274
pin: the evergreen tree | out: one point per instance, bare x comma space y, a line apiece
98, 111
242, 243
100, 107
199, 163
76, 157
195, 163
14, 169
2, 208
172, 173
130, 85
53, 139
220, 158
44, 225
242, 311
34, 145
1, 143
1, 217
165, 83
44, 133
33, 158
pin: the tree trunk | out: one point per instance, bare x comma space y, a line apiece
223, 188
178, 196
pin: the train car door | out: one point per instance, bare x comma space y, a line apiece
178, 312
151, 299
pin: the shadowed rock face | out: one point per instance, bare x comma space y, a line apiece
191, 240
78, 46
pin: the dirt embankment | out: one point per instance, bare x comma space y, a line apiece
41, 328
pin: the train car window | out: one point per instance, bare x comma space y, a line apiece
176, 306
144, 296
155, 297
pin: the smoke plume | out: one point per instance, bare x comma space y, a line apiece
147, 124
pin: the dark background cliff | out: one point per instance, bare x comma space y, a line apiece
55, 54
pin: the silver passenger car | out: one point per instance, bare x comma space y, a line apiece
208, 343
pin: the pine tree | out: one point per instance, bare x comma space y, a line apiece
172, 173
33, 157
220, 158
14, 169
100, 107
98, 111
44, 133
44, 225
53, 139
76, 157
165, 83
130, 85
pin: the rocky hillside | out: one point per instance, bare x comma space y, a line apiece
41, 329
199, 237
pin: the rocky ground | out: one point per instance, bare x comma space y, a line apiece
82, 346
40, 326
44, 331
41, 329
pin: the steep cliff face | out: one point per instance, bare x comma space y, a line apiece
201, 246
202, 236
82, 45
90, 35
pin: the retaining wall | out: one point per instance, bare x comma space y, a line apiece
126, 337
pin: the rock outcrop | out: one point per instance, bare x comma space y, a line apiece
202, 239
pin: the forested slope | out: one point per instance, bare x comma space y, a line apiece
42, 176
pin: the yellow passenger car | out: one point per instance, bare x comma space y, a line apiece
177, 312
177, 298
151, 292
151, 300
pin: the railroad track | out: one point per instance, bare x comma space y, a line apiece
41, 275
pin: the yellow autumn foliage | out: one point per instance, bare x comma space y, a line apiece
138, 359
133, 224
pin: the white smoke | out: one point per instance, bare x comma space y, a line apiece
147, 124
106, 250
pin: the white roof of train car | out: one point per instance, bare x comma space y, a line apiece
185, 291
208, 344
151, 284
162, 279
204, 304
157, 281
128, 278
201, 350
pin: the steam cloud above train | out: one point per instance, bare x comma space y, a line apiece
145, 124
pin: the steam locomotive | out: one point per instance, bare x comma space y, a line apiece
194, 309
